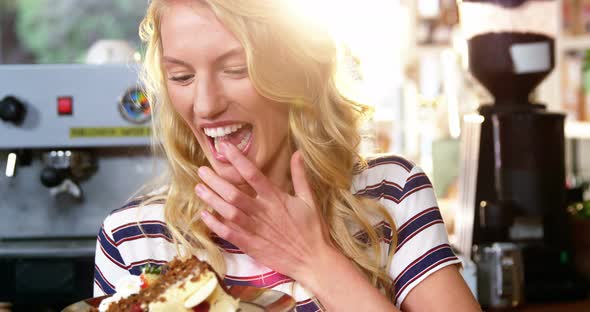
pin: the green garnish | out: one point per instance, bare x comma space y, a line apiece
151, 269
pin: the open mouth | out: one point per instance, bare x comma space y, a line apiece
240, 135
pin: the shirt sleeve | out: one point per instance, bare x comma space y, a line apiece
422, 241
109, 265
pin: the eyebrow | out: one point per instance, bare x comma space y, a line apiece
172, 60
232, 52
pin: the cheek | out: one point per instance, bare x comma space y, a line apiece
279, 113
274, 120
181, 101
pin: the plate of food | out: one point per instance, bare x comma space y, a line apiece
189, 285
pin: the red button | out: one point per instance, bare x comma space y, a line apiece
65, 105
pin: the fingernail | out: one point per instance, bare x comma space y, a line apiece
200, 189
204, 214
201, 171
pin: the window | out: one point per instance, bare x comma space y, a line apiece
63, 31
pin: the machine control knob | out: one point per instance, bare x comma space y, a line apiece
12, 110
52, 177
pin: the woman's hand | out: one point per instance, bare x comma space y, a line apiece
286, 233
282, 231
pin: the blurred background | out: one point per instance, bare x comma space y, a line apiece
75, 133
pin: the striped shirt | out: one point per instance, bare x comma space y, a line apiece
399, 185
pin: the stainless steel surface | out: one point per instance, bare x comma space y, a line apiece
27, 209
48, 248
105, 167
500, 275
62, 174
96, 91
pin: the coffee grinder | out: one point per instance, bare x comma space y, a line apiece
520, 194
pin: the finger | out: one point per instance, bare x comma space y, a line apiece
227, 211
226, 190
234, 235
247, 169
300, 184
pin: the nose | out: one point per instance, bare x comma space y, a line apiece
209, 101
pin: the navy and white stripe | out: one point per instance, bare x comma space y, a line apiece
387, 189
415, 183
102, 282
109, 249
391, 160
432, 258
308, 305
417, 224
136, 230
227, 246
132, 237
383, 230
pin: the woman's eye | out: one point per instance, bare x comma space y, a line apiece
236, 70
181, 78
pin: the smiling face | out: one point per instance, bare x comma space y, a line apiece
208, 84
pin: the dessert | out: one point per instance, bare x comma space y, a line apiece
189, 285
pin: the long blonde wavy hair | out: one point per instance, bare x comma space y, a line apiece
289, 62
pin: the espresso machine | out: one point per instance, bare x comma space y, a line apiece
520, 229
74, 145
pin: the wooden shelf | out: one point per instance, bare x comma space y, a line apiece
577, 130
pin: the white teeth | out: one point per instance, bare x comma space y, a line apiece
222, 131
240, 146
244, 141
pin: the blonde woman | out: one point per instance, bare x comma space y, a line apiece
264, 179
